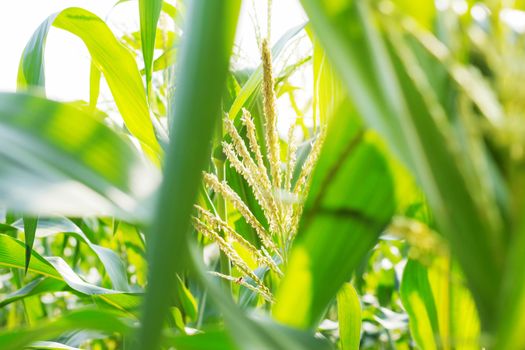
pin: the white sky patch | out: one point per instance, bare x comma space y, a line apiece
67, 59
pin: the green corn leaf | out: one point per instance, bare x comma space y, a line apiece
56, 159
349, 315
394, 104
458, 319
441, 310
110, 323
109, 56
209, 33
112, 263
35, 287
29, 228
94, 87
12, 253
510, 333
31, 69
149, 11
350, 202
328, 90
186, 300
418, 301
85, 319
167, 8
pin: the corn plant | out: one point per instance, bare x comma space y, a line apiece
183, 218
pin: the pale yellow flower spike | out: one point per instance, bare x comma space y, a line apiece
251, 133
243, 283
226, 192
272, 137
262, 195
232, 255
290, 167
217, 223
302, 182
242, 150
291, 160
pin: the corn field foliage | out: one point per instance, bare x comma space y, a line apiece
387, 213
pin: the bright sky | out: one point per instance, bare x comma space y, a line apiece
67, 60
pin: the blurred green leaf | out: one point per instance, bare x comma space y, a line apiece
86, 319
349, 315
110, 323
35, 287
441, 310
512, 305
392, 97
56, 159
424, 11
209, 33
418, 301
458, 319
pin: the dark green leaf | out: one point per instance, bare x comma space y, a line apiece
30, 224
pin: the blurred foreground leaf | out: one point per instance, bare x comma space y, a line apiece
56, 159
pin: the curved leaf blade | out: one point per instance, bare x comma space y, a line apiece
108, 55
149, 11
35, 287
